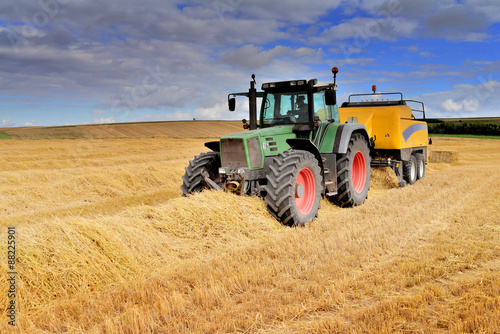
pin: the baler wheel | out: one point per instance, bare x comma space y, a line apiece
192, 180
420, 165
294, 187
353, 173
410, 170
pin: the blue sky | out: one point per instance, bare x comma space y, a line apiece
81, 62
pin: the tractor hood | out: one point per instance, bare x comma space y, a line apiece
250, 148
265, 132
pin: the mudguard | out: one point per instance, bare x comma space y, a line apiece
306, 145
213, 146
343, 136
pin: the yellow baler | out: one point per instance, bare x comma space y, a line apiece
398, 140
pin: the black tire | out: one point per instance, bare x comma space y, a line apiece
353, 173
294, 187
410, 170
420, 165
192, 180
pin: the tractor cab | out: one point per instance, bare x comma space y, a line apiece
302, 103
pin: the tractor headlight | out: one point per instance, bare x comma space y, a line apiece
222, 171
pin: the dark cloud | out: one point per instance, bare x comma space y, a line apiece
253, 57
455, 20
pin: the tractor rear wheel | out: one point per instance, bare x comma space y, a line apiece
192, 180
353, 173
410, 170
420, 165
294, 187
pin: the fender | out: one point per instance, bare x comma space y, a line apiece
343, 136
213, 145
306, 145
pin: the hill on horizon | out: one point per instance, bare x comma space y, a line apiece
173, 129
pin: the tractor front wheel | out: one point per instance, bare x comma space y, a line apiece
192, 180
294, 187
353, 173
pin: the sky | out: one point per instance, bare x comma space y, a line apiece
67, 62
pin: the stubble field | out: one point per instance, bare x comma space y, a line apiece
106, 244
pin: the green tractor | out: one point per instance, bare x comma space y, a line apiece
296, 154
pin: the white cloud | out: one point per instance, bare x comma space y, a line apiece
356, 61
105, 120
475, 36
489, 8
362, 30
97, 112
471, 105
464, 100
177, 116
303, 51
450, 105
218, 111
30, 123
6, 123
290, 11
464, 105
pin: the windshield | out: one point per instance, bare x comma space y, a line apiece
292, 108
285, 108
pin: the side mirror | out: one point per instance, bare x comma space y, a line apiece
330, 97
231, 102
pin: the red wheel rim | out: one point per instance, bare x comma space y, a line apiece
359, 172
305, 191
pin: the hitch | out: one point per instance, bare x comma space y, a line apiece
209, 182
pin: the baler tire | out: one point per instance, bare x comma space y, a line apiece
410, 170
353, 173
294, 187
192, 180
420, 165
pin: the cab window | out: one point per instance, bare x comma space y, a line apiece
284, 108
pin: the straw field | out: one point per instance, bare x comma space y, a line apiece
106, 244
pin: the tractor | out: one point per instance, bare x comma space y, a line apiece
298, 151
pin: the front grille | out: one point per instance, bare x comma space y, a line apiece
233, 153
254, 152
